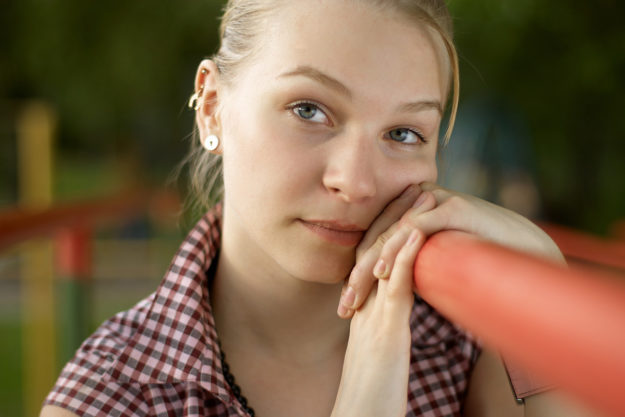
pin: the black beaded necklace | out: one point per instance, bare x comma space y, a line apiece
236, 390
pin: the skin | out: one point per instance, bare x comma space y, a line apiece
289, 165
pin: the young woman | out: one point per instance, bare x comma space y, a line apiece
294, 296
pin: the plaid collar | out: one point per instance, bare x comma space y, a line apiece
177, 341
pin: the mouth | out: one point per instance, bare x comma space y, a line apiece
339, 233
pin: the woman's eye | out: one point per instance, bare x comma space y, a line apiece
407, 136
310, 112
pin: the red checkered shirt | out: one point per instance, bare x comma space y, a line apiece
161, 357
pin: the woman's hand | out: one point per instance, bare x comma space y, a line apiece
377, 361
435, 209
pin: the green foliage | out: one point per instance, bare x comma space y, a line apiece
11, 375
119, 74
561, 64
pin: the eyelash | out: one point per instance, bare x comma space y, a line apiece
420, 137
303, 103
319, 107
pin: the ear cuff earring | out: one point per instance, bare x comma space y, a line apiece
211, 142
196, 99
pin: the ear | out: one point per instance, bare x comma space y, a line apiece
207, 115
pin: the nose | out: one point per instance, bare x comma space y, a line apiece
350, 170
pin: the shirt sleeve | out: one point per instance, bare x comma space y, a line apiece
523, 382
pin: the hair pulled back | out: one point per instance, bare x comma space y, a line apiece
242, 24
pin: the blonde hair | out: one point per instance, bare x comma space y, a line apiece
243, 23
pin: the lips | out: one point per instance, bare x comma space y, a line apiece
340, 233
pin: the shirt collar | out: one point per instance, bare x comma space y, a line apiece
177, 341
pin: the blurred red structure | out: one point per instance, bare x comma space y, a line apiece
65, 295
578, 246
563, 324
17, 224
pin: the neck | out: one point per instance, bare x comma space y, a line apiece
257, 304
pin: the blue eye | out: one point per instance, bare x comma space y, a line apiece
407, 136
309, 112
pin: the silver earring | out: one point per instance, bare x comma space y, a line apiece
211, 142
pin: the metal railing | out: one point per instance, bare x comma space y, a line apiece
566, 325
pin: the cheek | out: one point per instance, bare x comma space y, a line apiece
262, 158
413, 172
431, 173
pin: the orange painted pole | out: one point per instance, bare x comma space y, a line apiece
564, 325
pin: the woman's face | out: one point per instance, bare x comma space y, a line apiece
335, 117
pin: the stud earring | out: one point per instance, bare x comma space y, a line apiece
211, 142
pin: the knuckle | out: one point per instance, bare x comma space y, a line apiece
392, 291
456, 202
403, 258
397, 293
356, 276
440, 194
360, 280
408, 222
381, 240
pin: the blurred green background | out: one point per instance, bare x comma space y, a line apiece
119, 74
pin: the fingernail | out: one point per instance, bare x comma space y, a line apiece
380, 270
412, 239
410, 190
342, 310
349, 298
420, 200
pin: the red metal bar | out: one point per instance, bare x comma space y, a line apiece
74, 255
586, 247
74, 252
19, 224
566, 325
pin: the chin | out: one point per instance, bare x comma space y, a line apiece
325, 270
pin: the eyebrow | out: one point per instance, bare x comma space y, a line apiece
418, 106
334, 84
316, 75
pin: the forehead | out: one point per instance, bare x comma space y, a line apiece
370, 51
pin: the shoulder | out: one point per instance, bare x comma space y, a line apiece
490, 394
54, 411
84, 380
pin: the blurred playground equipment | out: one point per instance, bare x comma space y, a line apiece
55, 243
563, 323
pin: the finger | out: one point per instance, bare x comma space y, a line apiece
361, 278
360, 281
343, 310
398, 294
391, 214
443, 194
456, 211
391, 249
384, 264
